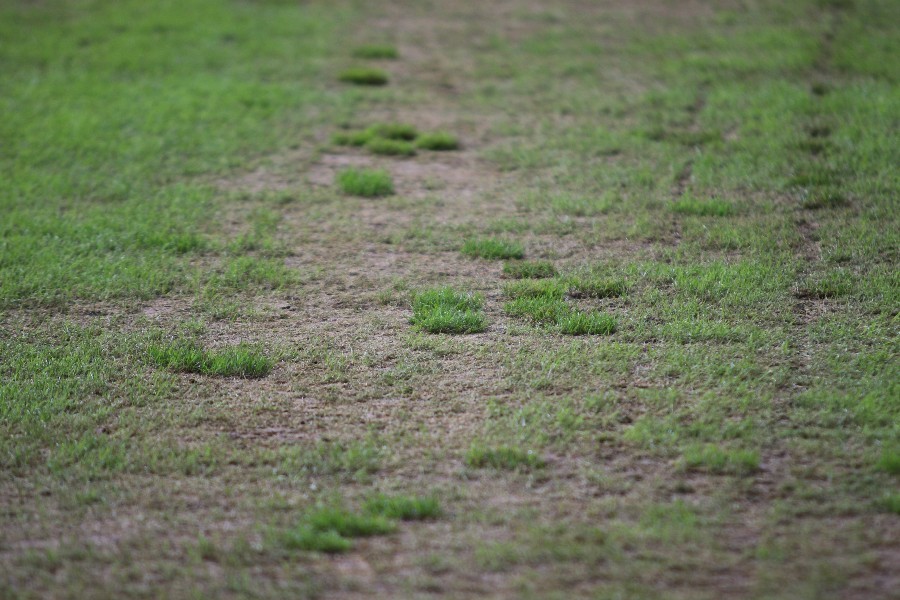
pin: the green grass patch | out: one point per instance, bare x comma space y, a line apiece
591, 287
889, 462
544, 310
368, 183
405, 508
438, 141
503, 457
493, 249
444, 310
824, 199
393, 131
349, 524
714, 459
364, 76
376, 51
310, 539
389, 147
352, 138
702, 208
187, 356
586, 323
537, 269
535, 288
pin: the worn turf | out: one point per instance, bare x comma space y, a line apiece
635, 336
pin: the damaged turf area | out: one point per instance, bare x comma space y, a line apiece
607, 309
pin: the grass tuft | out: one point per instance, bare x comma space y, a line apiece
186, 356
368, 183
405, 508
376, 51
348, 524
537, 269
445, 310
889, 462
352, 138
721, 460
503, 457
388, 147
311, 539
393, 131
493, 249
438, 140
364, 76
586, 323
596, 288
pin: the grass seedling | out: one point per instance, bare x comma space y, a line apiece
367, 183
529, 270
503, 457
310, 539
364, 76
438, 140
376, 51
445, 310
388, 147
530, 288
493, 249
184, 356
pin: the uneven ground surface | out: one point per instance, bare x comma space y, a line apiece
728, 167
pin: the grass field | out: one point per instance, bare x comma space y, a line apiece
404, 299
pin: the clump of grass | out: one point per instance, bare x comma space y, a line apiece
328, 529
349, 524
835, 284
538, 269
586, 323
890, 503
721, 460
352, 138
545, 310
596, 288
186, 356
531, 288
889, 461
393, 131
493, 249
388, 147
310, 539
438, 140
819, 199
543, 302
444, 310
376, 51
503, 457
368, 183
364, 76
405, 508
704, 208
